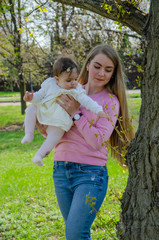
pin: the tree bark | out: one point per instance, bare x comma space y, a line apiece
16, 21
22, 92
140, 203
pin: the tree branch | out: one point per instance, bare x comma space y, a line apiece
6, 22
37, 8
71, 16
133, 17
8, 59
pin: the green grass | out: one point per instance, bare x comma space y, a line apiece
9, 99
134, 95
28, 206
9, 94
10, 115
134, 109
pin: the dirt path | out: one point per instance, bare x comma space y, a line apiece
13, 103
10, 103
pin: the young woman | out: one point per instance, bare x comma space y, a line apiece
80, 173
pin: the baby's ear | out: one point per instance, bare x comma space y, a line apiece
56, 78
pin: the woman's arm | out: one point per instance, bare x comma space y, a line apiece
41, 128
89, 103
96, 135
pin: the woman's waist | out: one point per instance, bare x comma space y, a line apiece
78, 155
84, 167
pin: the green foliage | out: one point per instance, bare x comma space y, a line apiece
116, 8
135, 3
138, 81
3, 70
107, 7
59, 35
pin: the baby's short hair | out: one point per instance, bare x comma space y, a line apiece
64, 64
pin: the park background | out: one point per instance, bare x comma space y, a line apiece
28, 208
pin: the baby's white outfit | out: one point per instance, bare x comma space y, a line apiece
51, 113
48, 112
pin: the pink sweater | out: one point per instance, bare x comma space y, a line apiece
86, 141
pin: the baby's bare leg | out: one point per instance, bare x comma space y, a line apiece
53, 137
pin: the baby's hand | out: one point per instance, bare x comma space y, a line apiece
103, 115
28, 97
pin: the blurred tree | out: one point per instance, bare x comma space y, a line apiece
46, 30
10, 16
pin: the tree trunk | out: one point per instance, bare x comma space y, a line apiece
22, 92
20, 61
57, 30
140, 203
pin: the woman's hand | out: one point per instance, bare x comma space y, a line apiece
41, 128
68, 103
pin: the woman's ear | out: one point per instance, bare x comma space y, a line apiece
56, 78
87, 67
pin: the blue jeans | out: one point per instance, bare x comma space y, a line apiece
80, 190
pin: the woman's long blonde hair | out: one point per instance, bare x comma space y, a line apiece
123, 131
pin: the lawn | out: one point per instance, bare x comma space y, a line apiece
10, 115
28, 206
9, 94
134, 103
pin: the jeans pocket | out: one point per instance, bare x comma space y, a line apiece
55, 166
83, 168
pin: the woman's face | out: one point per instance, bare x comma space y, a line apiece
100, 71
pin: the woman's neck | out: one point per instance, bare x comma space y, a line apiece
92, 90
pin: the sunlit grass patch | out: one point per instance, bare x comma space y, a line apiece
9, 94
10, 115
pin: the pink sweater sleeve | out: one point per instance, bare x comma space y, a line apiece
98, 133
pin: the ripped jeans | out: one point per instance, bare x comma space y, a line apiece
77, 186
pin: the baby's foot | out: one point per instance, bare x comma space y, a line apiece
37, 159
27, 138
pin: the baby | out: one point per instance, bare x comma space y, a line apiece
48, 112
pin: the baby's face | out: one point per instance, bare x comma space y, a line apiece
68, 81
